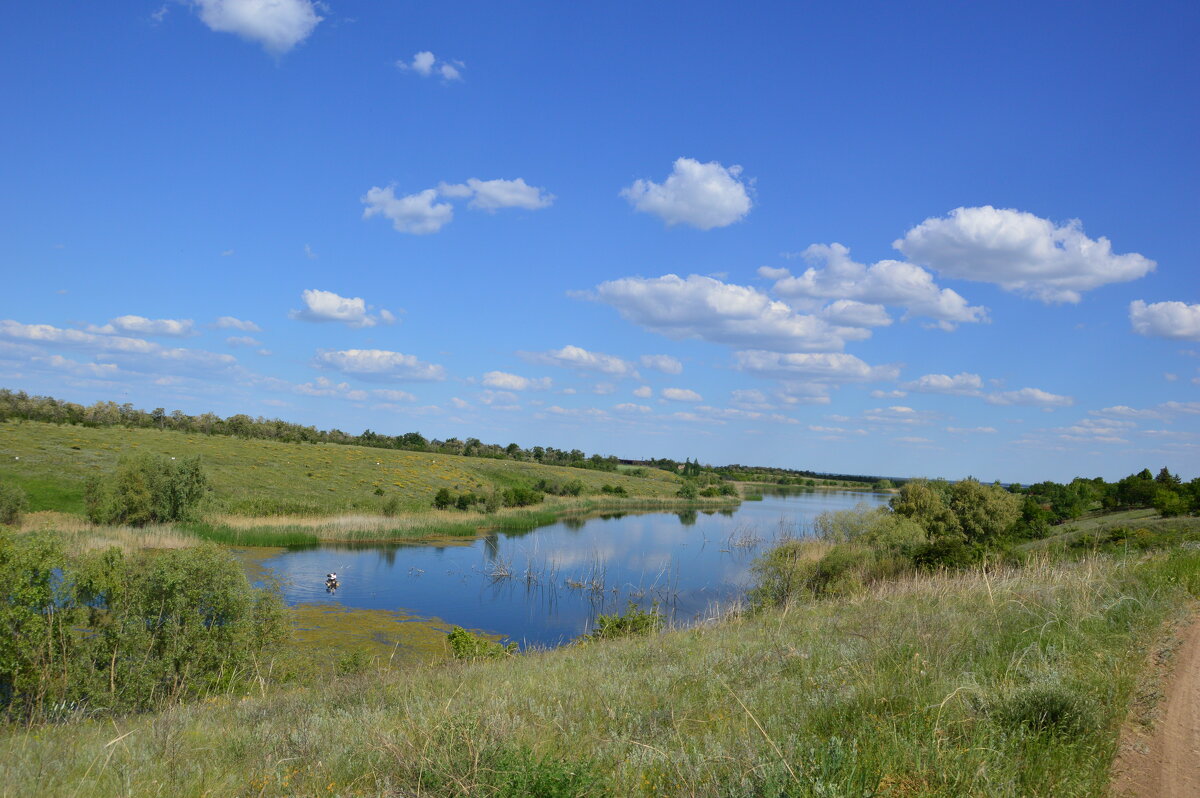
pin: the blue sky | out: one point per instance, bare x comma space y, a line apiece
907, 239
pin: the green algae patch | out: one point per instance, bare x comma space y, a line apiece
388, 637
252, 560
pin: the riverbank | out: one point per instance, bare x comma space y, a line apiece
1005, 682
284, 530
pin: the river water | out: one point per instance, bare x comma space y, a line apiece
546, 586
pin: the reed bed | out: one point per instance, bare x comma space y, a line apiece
81, 535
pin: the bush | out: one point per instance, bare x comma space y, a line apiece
796, 569
392, 506
13, 502
443, 499
688, 490
634, 621
469, 646
614, 490
521, 496
147, 489
571, 488
520, 773
1045, 707
116, 633
1169, 503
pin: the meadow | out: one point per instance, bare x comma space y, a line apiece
310, 490
1005, 681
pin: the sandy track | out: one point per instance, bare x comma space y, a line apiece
1165, 762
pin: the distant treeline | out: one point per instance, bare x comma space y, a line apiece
19, 405
791, 476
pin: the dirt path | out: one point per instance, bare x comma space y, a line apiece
1164, 762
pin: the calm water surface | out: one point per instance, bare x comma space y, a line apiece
546, 586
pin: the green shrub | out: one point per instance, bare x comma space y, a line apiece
634, 621
520, 773
443, 499
147, 489
114, 633
521, 496
13, 502
469, 646
688, 490
614, 490
1169, 503
1045, 706
392, 506
570, 488
353, 662
790, 571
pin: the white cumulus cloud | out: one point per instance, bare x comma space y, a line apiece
132, 352
681, 395
1030, 396
140, 325
832, 274
664, 363
515, 382
820, 367
705, 308
492, 195
851, 313
108, 371
418, 213
643, 392
1020, 252
427, 65
278, 25
379, 364
703, 195
963, 384
230, 323
1176, 320
575, 357
320, 306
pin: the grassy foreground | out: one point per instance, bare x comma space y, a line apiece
1007, 682
260, 478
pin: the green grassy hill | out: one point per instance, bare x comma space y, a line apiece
259, 478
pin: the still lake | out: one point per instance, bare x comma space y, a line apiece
545, 586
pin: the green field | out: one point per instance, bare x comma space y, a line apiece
267, 478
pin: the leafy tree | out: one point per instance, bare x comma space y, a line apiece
443, 499
147, 489
1170, 503
984, 513
13, 502
115, 632
925, 503
1167, 479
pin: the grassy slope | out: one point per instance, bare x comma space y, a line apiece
269, 478
1100, 522
902, 691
